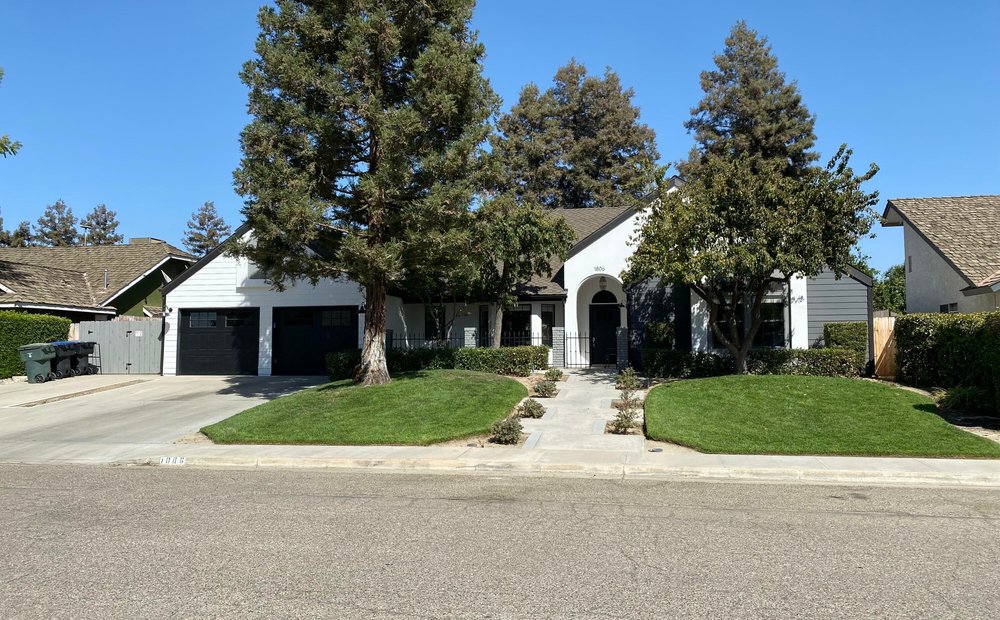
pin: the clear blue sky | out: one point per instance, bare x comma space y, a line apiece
138, 104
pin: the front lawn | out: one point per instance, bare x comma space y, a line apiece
417, 408
804, 415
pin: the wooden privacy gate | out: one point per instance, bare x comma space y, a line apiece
126, 347
885, 346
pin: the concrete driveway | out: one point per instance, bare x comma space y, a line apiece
111, 423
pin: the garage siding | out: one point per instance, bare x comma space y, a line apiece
831, 300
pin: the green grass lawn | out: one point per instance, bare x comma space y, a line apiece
804, 415
417, 408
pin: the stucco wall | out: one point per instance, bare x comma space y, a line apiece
932, 282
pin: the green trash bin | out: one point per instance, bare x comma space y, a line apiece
66, 351
81, 363
38, 361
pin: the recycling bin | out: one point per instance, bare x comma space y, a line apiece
81, 363
66, 351
38, 359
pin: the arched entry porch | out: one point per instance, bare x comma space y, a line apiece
600, 311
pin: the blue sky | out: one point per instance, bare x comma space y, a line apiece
138, 104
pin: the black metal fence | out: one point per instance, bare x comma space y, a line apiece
577, 350
419, 341
577, 347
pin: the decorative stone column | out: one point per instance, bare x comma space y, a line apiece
559, 347
470, 338
621, 334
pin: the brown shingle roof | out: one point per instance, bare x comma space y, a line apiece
584, 223
124, 263
35, 284
965, 229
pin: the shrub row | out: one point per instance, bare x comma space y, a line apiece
951, 350
851, 335
828, 362
518, 361
20, 328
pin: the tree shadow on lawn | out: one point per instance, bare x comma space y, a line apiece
268, 387
958, 418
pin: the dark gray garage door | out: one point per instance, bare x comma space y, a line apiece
221, 341
303, 337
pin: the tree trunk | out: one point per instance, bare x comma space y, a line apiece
497, 326
740, 361
373, 369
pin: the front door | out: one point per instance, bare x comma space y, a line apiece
604, 321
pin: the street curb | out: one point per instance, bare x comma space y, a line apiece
606, 470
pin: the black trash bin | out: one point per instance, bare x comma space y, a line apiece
38, 361
66, 351
81, 363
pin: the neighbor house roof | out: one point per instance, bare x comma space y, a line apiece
23, 285
84, 268
964, 230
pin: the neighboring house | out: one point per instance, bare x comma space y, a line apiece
952, 252
223, 317
90, 282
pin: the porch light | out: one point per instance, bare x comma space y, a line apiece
603, 283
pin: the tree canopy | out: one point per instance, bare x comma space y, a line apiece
753, 209
577, 144
205, 231
101, 226
889, 290
367, 120
8, 146
56, 226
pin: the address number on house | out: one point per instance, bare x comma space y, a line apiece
598, 267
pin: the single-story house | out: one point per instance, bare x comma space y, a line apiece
952, 250
222, 315
93, 282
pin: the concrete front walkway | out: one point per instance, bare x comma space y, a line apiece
576, 417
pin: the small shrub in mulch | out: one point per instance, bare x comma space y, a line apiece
506, 432
530, 408
545, 389
554, 374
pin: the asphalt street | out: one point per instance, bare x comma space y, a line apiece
103, 542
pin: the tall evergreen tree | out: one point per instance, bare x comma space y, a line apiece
205, 230
7, 145
20, 237
101, 226
57, 226
368, 116
753, 203
578, 144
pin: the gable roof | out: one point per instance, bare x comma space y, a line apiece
125, 264
964, 230
35, 285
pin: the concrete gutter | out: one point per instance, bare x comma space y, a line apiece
606, 464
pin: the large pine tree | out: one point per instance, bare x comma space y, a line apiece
101, 226
57, 226
205, 230
368, 116
578, 144
754, 209
8, 146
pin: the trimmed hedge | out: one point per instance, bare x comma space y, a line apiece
517, 361
828, 362
950, 350
20, 328
340, 365
851, 335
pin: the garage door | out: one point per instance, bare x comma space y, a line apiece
222, 341
303, 337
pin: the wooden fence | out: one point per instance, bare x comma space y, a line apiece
885, 346
132, 347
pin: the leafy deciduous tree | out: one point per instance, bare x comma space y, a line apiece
205, 230
101, 226
579, 143
753, 210
57, 226
368, 117
890, 290
7, 145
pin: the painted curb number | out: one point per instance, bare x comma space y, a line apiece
171, 460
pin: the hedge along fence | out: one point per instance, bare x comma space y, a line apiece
950, 350
518, 361
851, 335
20, 328
828, 362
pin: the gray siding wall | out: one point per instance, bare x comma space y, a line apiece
834, 301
